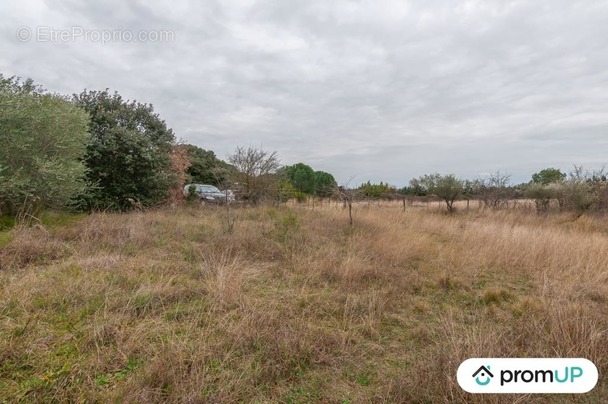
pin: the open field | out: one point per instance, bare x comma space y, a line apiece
293, 305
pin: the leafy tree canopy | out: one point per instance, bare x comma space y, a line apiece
548, 176
415, 188
307, 181
325, 184
206, 168
446, 187
301, 176
370, 190
129, 155
42, 138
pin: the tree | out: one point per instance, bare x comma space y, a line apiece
206, 168
548, 176
584, 189
325, 184
541, 195
446, 187
493, 191
129, 155
307, 181
415, 188
255, 176
302, 177
43, 138
374, 191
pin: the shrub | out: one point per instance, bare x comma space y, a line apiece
43, 138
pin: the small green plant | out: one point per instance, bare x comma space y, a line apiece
5, 238
192, 197
7, 222
363, 379
287, 225
300, 395
300, 197
120, 374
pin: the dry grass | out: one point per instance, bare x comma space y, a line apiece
293, 305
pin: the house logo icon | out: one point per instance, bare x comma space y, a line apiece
484, 373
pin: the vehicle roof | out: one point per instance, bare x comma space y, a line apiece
200, 185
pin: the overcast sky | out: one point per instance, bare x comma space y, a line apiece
368, 90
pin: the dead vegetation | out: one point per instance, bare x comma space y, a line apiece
294, 305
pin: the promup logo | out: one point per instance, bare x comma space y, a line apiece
527, 375
485, 374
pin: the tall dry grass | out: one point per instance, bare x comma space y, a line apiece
293, 305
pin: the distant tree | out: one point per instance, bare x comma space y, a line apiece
325, 184
301, 176
42, 141
129, 155
585, 190
493, 190
416, 188
305, 181
206, 168
374, 191
405, 190
548, 176
446, 187
581, 192
541, 195
468, 188
255, 176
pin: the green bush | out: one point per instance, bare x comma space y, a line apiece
129, 155
43, 138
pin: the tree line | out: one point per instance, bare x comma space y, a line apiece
97, 151
579, 191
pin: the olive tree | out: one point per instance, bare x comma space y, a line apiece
584, 189
447, 187
43, 138
545, 186
541, 195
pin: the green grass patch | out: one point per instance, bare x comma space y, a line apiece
57, 219
118, 375
7, 222
6, 237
